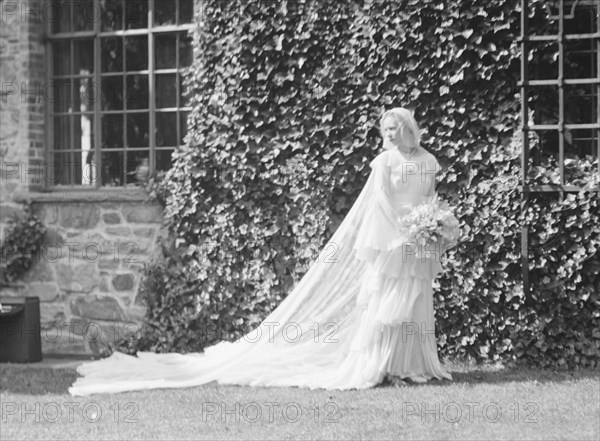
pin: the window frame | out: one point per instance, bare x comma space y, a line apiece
151, 31
525, 83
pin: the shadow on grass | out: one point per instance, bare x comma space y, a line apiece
35, 381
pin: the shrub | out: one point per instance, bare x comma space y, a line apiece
19, 248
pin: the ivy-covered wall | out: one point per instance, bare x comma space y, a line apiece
286, 102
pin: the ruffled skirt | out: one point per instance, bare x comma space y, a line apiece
395, 331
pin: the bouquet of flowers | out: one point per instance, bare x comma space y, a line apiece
430, 226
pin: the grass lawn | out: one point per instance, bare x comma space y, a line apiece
481, 403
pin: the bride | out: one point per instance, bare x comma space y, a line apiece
362, 312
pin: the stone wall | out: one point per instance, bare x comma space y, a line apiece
87, 271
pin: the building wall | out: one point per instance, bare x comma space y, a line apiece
87, 271
22, 70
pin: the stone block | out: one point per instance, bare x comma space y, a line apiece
118, 231
46, 292
40, 272
108, 264
76, 277
123, 282
64, 346
104, 285
49, 214
53, 236
133, 251
144, 232
137, 312
100, 308
135, 248
138, 267
53, 312
78, 326
143, 213
125, 300
79, 216
111, 218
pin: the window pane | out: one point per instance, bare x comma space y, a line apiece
61, 16
164, 13
544, 103
163, 159
112, 93
137, 130
84, 168
136, 14
137, 166
186, 11
579, 143
136, 53
112, 131
79, 171
84, 132
111, 54
165, 51
581, 59
183, 92
547, 141
62, 133
62, 57
581, 104
61, 95
84, 15
83, 57
136, 95
540, 22
84, 94
543, 60
112, 169
185, 50
166, 91
166, 129
59, 172
584, 20
112, 15
182, 126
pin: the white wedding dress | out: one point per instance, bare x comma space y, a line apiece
359, 313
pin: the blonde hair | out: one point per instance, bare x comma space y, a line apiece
408, 125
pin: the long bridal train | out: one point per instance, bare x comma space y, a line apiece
354, 317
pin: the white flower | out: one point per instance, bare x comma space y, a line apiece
430, 223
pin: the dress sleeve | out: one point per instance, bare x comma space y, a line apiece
379, 228
431, 171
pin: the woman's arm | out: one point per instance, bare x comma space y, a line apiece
379, 228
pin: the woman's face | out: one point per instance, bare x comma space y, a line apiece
392, 131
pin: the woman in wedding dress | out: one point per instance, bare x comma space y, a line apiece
361, 313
